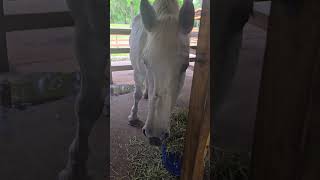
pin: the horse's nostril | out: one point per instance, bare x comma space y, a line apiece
144, 132
154, 141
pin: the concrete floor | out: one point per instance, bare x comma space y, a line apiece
234, 127
37, 149
42, 134
38, 146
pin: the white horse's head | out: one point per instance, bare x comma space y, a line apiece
166, 56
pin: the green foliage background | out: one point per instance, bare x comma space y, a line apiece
120, 10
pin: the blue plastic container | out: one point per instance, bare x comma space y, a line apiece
171, 161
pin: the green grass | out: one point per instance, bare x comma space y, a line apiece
125, 26
119, 54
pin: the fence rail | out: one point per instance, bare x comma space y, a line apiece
21, 22
123, 67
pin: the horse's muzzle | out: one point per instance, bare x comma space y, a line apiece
155, 141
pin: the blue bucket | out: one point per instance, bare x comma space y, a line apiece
171, 161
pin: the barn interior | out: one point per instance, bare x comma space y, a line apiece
41, 129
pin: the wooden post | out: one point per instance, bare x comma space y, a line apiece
286, 143
199, 106
4, 61
310, 162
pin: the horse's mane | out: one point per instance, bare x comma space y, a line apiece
167, 14
166, 8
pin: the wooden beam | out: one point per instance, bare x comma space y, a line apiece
198, 120
119, 50
203, 141
4, 61
121, 68
127, 50
193, 47
21, 22
115, 31
118, 31
287, 115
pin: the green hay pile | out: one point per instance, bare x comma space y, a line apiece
229, 165
175, 143
25, 88
145, 161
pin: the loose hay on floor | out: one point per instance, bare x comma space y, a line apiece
145, 161
228, 165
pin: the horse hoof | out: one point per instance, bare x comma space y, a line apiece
136, 123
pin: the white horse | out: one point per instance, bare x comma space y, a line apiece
159, 51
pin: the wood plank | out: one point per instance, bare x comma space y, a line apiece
121, 68
37, 21
203, 141
119, 50
193, 47
116, 31
4, 61
128, 66
127, 50
192, 161
122, 31
281, 128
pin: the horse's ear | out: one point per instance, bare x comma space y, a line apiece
186, 17
148, 15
